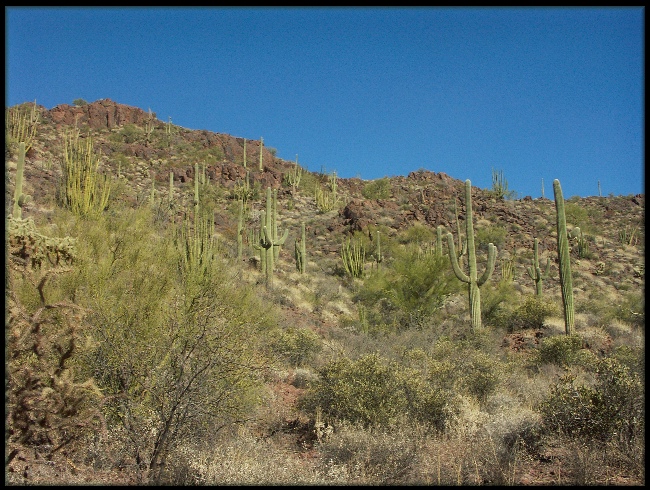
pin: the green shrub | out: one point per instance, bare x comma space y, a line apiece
495, 235
632, 309
407, 291
373, 392
417, 234
377, 189
612, 409
561, 350
176, 349
531, 313
297, 346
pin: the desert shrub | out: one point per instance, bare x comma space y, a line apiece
373, 392
131, 133
561, 350
377, 189
531, 313
407, 292
632, 309
496, 304
381, 457
417, 233
460, 367
297, 346
496, 235
176, 348
612, 409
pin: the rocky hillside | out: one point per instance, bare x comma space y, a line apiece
137, 146
141, 154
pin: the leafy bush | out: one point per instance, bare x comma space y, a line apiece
175, 348
495, 235
372, 392
531, 313
461, 367
296, 345
409, 289
612, 409
377, 189
561, 350
384, 457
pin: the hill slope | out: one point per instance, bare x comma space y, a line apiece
140, 153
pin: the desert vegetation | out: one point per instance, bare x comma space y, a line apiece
186, 308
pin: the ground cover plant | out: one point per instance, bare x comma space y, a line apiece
196, 311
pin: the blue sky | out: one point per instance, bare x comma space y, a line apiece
538, 93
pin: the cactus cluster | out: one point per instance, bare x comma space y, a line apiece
84, 190
354, 257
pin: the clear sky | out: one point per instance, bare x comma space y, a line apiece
538, 93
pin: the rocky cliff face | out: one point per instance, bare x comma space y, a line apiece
103, 113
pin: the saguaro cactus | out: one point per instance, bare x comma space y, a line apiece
244, 152
240, 230
535, 272
439, 240
301, 250
379, 258
472, 280
19, 197
566, 280
269, 239
261, 153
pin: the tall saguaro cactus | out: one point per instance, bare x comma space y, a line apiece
566, 280
269, 240
261, 153
19, 197
473, 281
535, 272
301, 250
240, 230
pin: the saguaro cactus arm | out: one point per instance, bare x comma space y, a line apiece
492, 254
454, 261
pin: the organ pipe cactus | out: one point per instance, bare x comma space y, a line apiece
354, 257
535, 272
566, 280
473, 281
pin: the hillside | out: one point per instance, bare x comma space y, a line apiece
349, 318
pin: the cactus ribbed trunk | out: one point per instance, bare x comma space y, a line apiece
473, 281
566, 280
269, 240
535, 271
18, 191
301, 251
